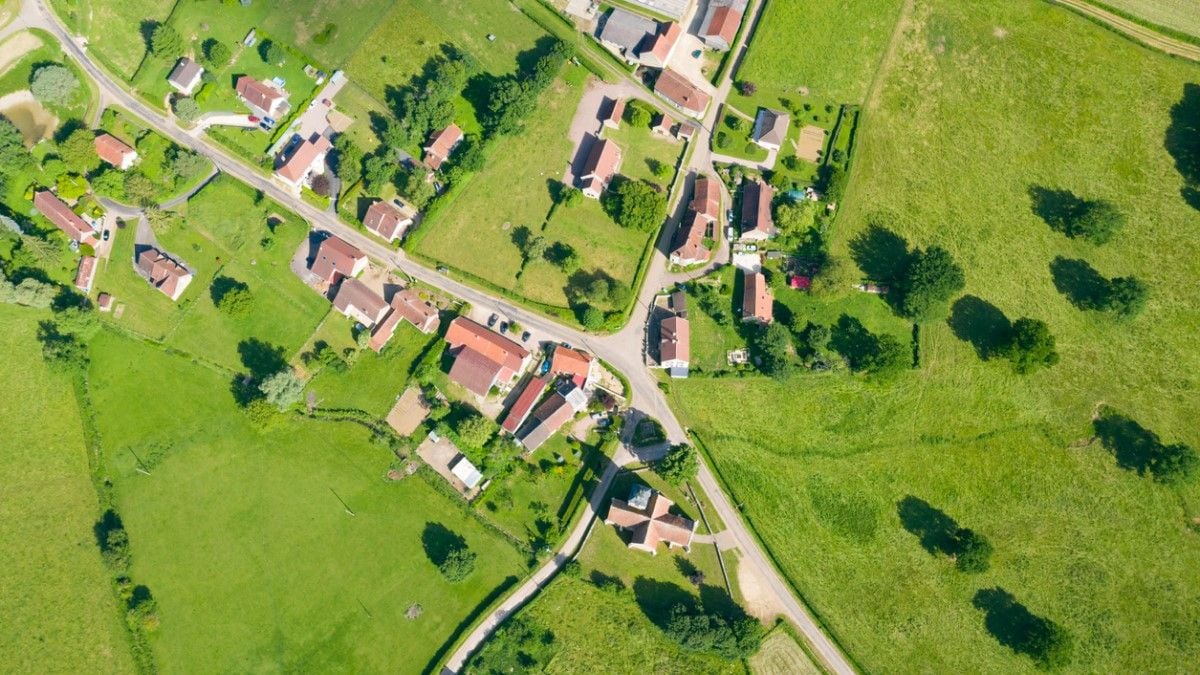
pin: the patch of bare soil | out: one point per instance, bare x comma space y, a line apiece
757, 599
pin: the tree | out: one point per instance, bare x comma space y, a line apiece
833, 182
183, 165
933, 277
166, 42
349, 159
413, 186
378, 170
734, 637
475, 431
458, 564
772, 349
1096, 221
1126, 296
283, 389
78, 151
187, 110
71, 186
162, 221
679, 465
795, 216
231, 297
1032, 346
571, 261
138, 189
592, 318
635, 204
1050, 645
815, 338
216, 54
569, 196
1174, 464
54, 84
321, 185
63, 352
14, 158
272, 53
734, 122
517, 646
30, 292
536, 247
974, 552
597, 290
747, 88
637, 115
889, 358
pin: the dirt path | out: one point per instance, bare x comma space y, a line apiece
761, 603
1146, 36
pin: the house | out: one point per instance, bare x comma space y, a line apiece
706, 198
104, 302
263, 99
625, 32
113, 151
757, 224
86, 274
336, 258
61, 215
770, 128
406, 305
441, 144
674, 347
647, 516
482, 358
656, 49
581, 367
757, 300
464, 470
672, 8
360, 303
601, 165
410, 410
677, 301
551, 415
681, 93
307, 159
685, 131
615, 109
163, 273
689, 246
185, 76
662, 125
389, 219
520, 409
719, 27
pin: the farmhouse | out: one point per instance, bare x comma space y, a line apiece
614, 109
336, 258
601, 165
674, 346
263, 99
647, 516
86, 273
638, 39
441, 144
406, 305
706, 198
113, 151
163, 273
389, 219
689, 240
757, 224
721, 21
61, 215
185, 76
672, 8
757, 300
681, 93
530, 394
360, 303
307, 159
551, 415
580, 367
482, 359
657, 48
770, 128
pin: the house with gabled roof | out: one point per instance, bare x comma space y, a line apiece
305, 160
689, 246
674, 346
263, 99
85, 275
719, 27
483, 358
614, 109
757, 300
656, 49
603, 160
185, 76
530, 394
580, 367
389, 219
441, 144
115, 152
757, 223
646, 516
681, 93
337, 258
406, 305
163, 272
770, 128
358, 302
57, 212
558, 409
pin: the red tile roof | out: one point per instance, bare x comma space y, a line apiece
112, 150
57, 212
307, 153
678, 90
464, 332
165, 274
724, 24
475, 371
258, 94
335, 258
653, 524
602, 160
86, 273
519, 412
706, 198
422, 314
441, 144
615, 110
757, 300
570, 362
386, 219
549, 417
660, 44
756, 208
689, 240
354, 294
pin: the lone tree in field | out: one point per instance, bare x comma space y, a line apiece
231, 296
283, 389
53, 84
1126, 296
272, 53
1032, 346
1096, 221
458, 565
166, 42
747, 88
932, 279
679, 465
974, 551
216, 54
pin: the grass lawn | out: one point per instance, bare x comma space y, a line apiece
329, 30
830, 47
302, 584
115, 29
642, 150
57, 602
375, 380
17, 76
738, 142
1180, 15
1095, 548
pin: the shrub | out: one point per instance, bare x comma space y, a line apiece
698, 631
166, 42
679, 465
187, 110
272, 53
458, 565
283, 389
1032, 346
216, 54
231, 296
637, 114
53, 84
592, 318
635, 204
723, 140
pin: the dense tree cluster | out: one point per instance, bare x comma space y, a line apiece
28, 292
514, 97
700, 631
635, 204
517, 646
53, 84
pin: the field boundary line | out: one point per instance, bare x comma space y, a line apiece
1151, 36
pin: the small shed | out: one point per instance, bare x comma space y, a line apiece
464, 470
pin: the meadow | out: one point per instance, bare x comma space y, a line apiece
982, 103
1180, 15
58, 606
115, 29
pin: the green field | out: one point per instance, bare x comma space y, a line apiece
972, 115
1180, 15
830, 47
114, 28
18, 74
59, 610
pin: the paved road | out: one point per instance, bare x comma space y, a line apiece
622, 350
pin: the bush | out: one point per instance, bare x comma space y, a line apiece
283, 389
635, 204
166, 42
458, 565
723, 140
637, 114
53, 85
679, 465
1032, 346
216, 54
187, 110
272, 53
734, 122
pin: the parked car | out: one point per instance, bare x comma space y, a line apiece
106, 235
525, 336
253, 119
503, 327
442, 269
492, 320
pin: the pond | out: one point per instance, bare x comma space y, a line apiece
34, 121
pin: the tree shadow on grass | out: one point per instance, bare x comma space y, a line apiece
881, 254
261, 358
658, 598
1055, 207
1079, 282
222, 285
1133, 445
1183, 142
606, 581
933, 527
851, 339
1013, 625
981, 323
439, 542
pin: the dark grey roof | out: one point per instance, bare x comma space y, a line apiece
626, 29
